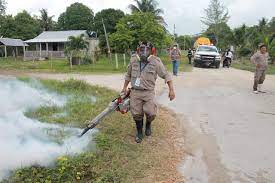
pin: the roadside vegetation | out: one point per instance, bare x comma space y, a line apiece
103, 65
245, 64
117, 158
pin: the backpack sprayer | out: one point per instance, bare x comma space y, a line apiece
120, 104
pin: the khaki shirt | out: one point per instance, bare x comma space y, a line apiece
260, 60
149, 74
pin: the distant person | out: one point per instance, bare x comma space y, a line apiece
228, 56
190, 55
194, 51
175, 55
260, 59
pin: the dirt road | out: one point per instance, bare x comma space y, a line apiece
229, 130
112, 81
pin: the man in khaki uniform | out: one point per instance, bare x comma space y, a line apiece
142, 74
260, 59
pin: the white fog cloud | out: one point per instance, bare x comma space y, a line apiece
25, 141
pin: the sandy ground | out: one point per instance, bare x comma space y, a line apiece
229, 130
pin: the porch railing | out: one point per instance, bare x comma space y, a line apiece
44, 54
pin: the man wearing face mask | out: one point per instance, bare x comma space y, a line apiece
142, 74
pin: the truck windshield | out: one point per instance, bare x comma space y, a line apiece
207, 49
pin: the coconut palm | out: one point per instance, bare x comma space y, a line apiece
46, 20
148, 6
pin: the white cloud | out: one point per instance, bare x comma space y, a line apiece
184, 13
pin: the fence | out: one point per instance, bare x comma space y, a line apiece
34, 55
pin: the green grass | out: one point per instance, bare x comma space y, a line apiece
245, 64
117, 157
63, 66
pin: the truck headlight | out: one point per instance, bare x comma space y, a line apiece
197, 57
218, 57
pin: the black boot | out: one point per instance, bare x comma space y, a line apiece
148, 128
139, 135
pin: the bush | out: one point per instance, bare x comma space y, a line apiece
244, 51
87, 60
272, 52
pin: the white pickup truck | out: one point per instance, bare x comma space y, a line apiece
207, 56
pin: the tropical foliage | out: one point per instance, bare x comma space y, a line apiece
133, 28
148, 6
76, 17
46, 21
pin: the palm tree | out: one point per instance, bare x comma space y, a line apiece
74, 48
263, 25
148, 6
46, 20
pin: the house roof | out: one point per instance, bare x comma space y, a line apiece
56, 36
12, 42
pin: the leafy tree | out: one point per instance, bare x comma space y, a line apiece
2, 7
271, 25
240, 35
2, 13
148, 6
135, 28
272, 51
61, 22
185, 42
77, 17
22, 26
111, 17
224, 34
215, 15
263, 25
8, 27
46, 21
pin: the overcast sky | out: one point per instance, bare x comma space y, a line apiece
184, 13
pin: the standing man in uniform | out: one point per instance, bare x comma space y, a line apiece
142, 74
190, 55
175, 55
260, 59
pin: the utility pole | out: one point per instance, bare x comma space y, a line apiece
107, 41
174, 32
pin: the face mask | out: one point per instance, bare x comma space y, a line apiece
175, 47
144, 52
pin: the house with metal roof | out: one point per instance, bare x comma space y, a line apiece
52, 43
14, 47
